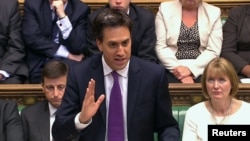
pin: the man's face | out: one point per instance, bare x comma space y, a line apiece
119, 4
116, 46
53, 89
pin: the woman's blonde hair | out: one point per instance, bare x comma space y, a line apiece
220, 67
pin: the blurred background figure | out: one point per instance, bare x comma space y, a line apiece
236, 41
54, 30
189, 35
13, 69
10, 121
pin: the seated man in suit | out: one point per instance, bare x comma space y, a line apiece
13, 69
139, 103
38, 119
53, 29
236, 41
143, 34
10, 122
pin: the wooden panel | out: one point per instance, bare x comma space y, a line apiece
153, 5
181, 94
189, 94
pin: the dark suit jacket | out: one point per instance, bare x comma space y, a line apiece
148, 104
37, 31
143, 33
12, 51
236, 41
10, 122
36, 122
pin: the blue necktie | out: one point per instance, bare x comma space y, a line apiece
115, 115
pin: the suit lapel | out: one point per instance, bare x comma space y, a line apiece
69, 8
174, 19
203, 24
47, 16
98, 76
134, 80
44, 123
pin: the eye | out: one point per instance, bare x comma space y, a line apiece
49, 88
125, 43
210, 80
61, 87
112, 45
222, 80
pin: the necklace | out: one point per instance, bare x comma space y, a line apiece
222, 121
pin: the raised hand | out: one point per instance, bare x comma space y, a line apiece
90, 106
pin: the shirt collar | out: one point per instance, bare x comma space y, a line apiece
52, 110
107, 70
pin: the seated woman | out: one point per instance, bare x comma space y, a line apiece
236, 41
219, 85
189, 35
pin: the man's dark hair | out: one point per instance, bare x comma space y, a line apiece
54, 69
110, 18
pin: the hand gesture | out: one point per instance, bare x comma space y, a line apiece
58, 7
187, 79
89, 106
76, 57
181, 72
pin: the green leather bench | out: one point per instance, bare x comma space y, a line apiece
179, 113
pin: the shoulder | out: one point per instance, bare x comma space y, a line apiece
245, 104
169, 4
7, 103
86, 65
240, 10
140, 11
146, 66
199, 107
9, 107
79, 6
93, 14
36, 108
211, 9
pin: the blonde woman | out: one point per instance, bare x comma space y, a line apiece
219, 85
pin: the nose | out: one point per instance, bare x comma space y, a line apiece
118, 1
120, 50
57, 92
216, 84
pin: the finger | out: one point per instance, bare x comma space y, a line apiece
100, 100
89, 90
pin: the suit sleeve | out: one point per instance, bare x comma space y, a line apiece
92, 47
167, 126
76, 43
13, 124
15, 51
230, 39
146, 49
33, 34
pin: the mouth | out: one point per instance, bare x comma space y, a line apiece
118, 7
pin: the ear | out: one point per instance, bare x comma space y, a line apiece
99, 44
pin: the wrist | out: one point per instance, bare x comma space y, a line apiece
62, 17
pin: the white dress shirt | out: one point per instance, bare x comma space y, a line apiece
52, 111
